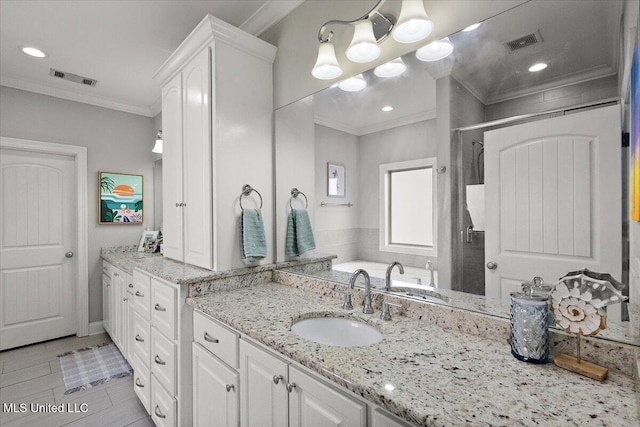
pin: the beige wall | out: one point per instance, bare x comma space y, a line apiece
115, 141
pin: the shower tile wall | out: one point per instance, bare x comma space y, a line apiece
343, 243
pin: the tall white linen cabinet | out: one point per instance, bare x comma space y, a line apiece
217, 108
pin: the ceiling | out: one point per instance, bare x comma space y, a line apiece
121, 44
579, 41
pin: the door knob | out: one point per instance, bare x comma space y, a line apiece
69, 254
492, 265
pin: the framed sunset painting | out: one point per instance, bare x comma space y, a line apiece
121, 198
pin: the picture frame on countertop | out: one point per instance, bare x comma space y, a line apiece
148, 241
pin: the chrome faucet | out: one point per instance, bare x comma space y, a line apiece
366, 309
432, 281
387, 281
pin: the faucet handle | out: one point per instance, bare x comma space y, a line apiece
386, 312
347, 301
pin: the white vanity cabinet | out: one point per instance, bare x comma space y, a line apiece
207, 109
106, 296
160, 353
115, 312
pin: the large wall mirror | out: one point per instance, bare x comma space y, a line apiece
414, 148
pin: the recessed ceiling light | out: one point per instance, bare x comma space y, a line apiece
32, 51
538, 67
472, 27
387, 108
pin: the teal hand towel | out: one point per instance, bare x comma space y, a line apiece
254, 242
299, 233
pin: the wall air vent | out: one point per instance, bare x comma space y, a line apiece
524, 41
72, 77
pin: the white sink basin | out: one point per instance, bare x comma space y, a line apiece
337, 331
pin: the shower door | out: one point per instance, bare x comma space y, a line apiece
552, 199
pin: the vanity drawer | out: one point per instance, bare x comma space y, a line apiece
216, 338
163, 360
163, 308
107, 268
141, 340
142, 294
163, 405
142, 386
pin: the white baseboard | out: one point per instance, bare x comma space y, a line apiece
96, 328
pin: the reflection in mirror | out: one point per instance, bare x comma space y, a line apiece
410, 117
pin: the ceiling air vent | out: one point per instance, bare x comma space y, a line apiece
72, 77
524, 41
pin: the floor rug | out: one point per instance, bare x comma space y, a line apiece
92, 366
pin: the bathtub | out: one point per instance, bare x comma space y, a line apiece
378, 269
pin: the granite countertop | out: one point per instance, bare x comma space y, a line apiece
423, 373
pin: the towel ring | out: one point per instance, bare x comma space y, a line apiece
246, 190
294, 194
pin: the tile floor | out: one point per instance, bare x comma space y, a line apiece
32, 374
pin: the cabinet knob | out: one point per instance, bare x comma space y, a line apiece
158, 307
138, 383
291, 386
158, 413
209, 338
69, 254
159, 361
125, 299
277, 378
139, 294
131, 285
230, 387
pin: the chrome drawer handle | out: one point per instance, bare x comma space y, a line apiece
131, 285
160, 308
291, 386
230, 387
277, 378
159, 361
138, 294
138, 338
209, 338
138, 383
158, 413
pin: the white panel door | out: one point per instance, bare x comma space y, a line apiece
215, 391
37, 229
553, 199
197, 176
172, 169
313, 404
263, 393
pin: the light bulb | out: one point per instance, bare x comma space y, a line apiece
327, 67
364, 47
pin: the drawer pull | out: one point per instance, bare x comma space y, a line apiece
138, 383
158, 413
139, 294
209, 338
138, 338
131, 285
230, 387
277, 378
160, 308
159, 361
291, 386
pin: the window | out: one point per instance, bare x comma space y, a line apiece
407, 207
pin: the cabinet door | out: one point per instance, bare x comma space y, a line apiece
314, 404
124, 316
215, 391
106, 303
197, 161
117, 284
263, 393
172, 169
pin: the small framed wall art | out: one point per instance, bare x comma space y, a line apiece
335, 180
121, 197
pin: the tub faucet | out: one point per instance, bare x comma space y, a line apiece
387, 277
366, 309
432, 281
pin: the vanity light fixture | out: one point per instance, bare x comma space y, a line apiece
537, 67
157, 148
413, 24
364, 47
33, 51
435, 51
353, 84
472, 27
387, 108
391, 69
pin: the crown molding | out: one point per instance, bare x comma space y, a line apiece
156, 107
268, 15
376, 127
70, 95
